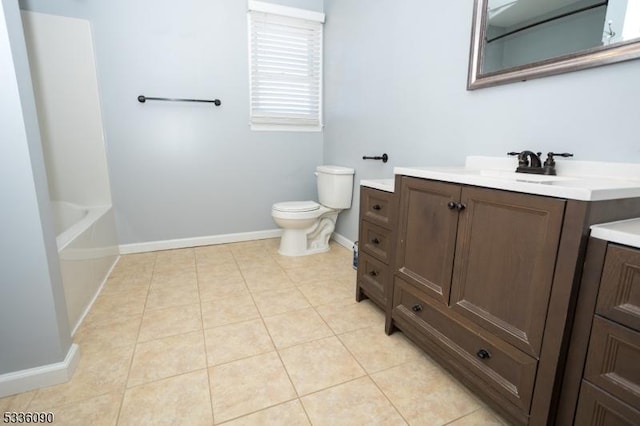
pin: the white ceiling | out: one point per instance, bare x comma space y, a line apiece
507, 13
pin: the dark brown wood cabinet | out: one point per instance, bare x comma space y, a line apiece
604, 373
485, 281
376, 245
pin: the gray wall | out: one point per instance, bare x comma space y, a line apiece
187, 170
395, 81
33, 325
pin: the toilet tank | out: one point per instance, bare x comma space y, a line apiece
335, 186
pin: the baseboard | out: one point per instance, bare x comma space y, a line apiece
39, 377
199, 241
342, 240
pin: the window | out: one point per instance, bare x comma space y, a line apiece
285, 60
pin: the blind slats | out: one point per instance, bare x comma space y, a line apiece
286, 70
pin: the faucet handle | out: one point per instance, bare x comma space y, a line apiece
522, 161
551, 162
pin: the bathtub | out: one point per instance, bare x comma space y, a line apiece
88, 250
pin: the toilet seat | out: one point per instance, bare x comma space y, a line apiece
296, 206
300, 210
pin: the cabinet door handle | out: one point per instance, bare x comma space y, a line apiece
483, 354
373, 273
375, 241
460, 206
377, 207
452, 205
416, 308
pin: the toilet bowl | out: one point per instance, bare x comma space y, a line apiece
307, 225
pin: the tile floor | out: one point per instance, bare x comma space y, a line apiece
237, 334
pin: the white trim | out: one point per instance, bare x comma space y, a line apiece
199, 241
86, 311
342, 240
39, 377
276, 9
284, 128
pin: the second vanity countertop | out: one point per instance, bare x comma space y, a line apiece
577, 180
381, 184
625, 232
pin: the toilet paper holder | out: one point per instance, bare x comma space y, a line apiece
384, 157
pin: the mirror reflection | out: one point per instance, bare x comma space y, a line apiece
521, 32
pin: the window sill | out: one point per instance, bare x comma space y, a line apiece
284, 128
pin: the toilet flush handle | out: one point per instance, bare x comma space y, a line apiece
315, 173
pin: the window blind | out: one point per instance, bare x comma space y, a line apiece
285, 72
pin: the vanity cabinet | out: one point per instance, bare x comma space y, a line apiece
484, 280
376, 245
605, 346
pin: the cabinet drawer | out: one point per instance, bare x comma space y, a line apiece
619, 296
613, 361
376, 241
598, 408
373, 277
376, 207
505, 368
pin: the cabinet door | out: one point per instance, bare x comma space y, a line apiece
505, 259
612, 360
427, 235
619, 296
598, 408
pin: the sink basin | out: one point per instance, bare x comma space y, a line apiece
524, 177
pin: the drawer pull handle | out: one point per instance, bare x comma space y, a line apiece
483, 354
416, 308
451, 205
377, 207
375, 241
373, 273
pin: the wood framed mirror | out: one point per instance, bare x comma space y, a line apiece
517, 40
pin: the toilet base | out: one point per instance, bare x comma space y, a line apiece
313, 240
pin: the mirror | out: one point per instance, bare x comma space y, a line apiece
517, 40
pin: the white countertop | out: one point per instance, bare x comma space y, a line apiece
381, 184
577, 180
625, 232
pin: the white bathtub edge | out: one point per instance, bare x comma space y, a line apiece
198, 241
95, 296
42, 376
70, 234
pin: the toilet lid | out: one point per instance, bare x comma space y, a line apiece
296, 206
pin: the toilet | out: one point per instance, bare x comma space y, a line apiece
307, 225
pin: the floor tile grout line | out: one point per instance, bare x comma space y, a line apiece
463, 416
258, 411
326, 337
264, 324
160, 379
204, 340
370, 376
124, 391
